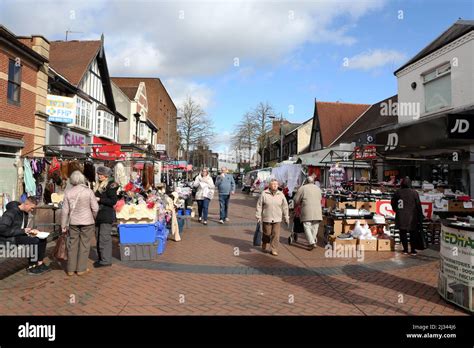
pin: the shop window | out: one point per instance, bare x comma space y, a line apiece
14, 81
83, 114
437, 85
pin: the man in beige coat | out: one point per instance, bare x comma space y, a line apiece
272, 209
309, 196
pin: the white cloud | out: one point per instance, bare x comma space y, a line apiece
203, 42
180, 89
374, 59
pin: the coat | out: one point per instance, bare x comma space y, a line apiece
203, 185
309, 197
108, 198
225, 184
410, 215
272, 207
11, 223
85, 209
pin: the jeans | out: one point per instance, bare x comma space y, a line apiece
32, 242
203, 208
311, 231
224, 206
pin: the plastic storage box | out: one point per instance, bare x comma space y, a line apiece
161, 245
138, 252
136, 233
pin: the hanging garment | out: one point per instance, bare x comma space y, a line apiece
120, 175
39, 192
49, 189
65, 170
28, 179
73, 166
89, 171
55, 166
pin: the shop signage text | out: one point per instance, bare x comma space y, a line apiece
60, 109
384, 207
72, 138
459, 127
365, 152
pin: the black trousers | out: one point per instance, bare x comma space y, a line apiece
404, 240
32, 241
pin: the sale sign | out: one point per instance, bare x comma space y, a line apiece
384, 207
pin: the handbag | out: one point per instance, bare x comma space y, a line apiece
60, 250
257, 236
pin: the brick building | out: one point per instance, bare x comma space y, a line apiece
161, 112
23, 89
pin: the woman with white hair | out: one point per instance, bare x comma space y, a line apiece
204, 194
79, 211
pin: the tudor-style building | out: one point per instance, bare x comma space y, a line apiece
79, 79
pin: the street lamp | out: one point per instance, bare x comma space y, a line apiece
137, 119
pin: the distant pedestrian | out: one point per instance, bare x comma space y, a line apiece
106, 195
79, 211
308, 197
205, 192
226, 185
408, 215
272, 209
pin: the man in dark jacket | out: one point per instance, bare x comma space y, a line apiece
14, 230
106, 194
409, 215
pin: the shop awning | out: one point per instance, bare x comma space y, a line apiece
322, 158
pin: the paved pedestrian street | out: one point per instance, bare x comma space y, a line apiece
215, 270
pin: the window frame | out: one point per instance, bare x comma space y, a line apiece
11, 81
440, 71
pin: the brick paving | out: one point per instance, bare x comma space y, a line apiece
215, 270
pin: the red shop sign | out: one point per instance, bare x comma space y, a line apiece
384, 207
366, 152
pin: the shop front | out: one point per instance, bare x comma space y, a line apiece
434, 152
9, 153
66, 142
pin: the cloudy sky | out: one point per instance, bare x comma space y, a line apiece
229, 55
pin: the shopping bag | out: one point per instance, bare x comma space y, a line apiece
420, 239
60, 250
257, 237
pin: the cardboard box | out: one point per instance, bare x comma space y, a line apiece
349, 224
367, 244
335, 242
386, 244
370, 206
454, 206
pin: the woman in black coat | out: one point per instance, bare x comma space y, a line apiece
409, 215
106, 193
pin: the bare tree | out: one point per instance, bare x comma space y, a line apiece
262, 117
247, 130
194, 126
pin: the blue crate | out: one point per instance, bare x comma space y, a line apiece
161, 245
180, 212
188, 212
137, 233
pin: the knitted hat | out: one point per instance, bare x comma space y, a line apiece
104, 171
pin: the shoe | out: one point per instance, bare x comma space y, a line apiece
226, 220
70, 274
200, 219
205, 222
413, 253
264, 247
274, 253
221, 221
97, 264
312, 246
38, 270
404, 252
82, 273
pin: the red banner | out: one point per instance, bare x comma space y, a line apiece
366, 152
109, 151
384, 207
